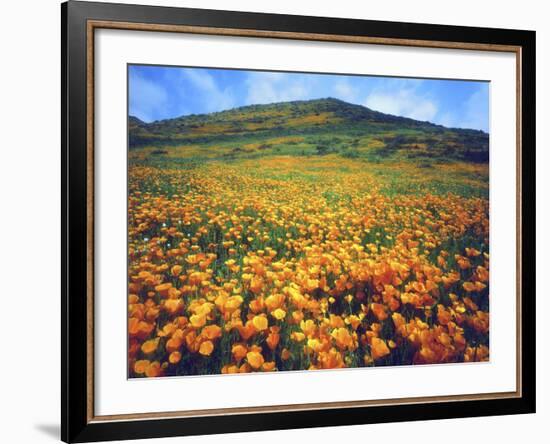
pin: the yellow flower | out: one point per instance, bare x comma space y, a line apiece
342, 337
197, 321
230, 368
278, 314
469, 286
239, 351
297, 336
255, 359
173, 306
150, 346
256, 285
268, 366
141, 366
211, 332
311, 284
379, 311
273, 338
175, 357
176, 270
163, 288
153, 370
379, 349
260, 323
314, 344
308, 327
206, 348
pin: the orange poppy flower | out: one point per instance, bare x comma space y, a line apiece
278, 314
153, 370
260, 323
211, 332
150, 346
197, 321
239, 351
141, 366
206, 348
255, 359
379, 349
273, 340
174, 357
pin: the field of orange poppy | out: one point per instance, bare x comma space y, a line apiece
304, 262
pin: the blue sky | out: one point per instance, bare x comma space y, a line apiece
157, 93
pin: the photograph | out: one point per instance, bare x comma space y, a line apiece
283, 221
272, 220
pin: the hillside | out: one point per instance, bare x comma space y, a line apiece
321, 126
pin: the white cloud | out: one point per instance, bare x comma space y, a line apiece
344, 91
146, 98
274, 87
475, 116
217, 98
405, 101
447, 119
472, 114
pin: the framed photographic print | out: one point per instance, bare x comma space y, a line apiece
276, 221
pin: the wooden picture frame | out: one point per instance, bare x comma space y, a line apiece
79, 22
